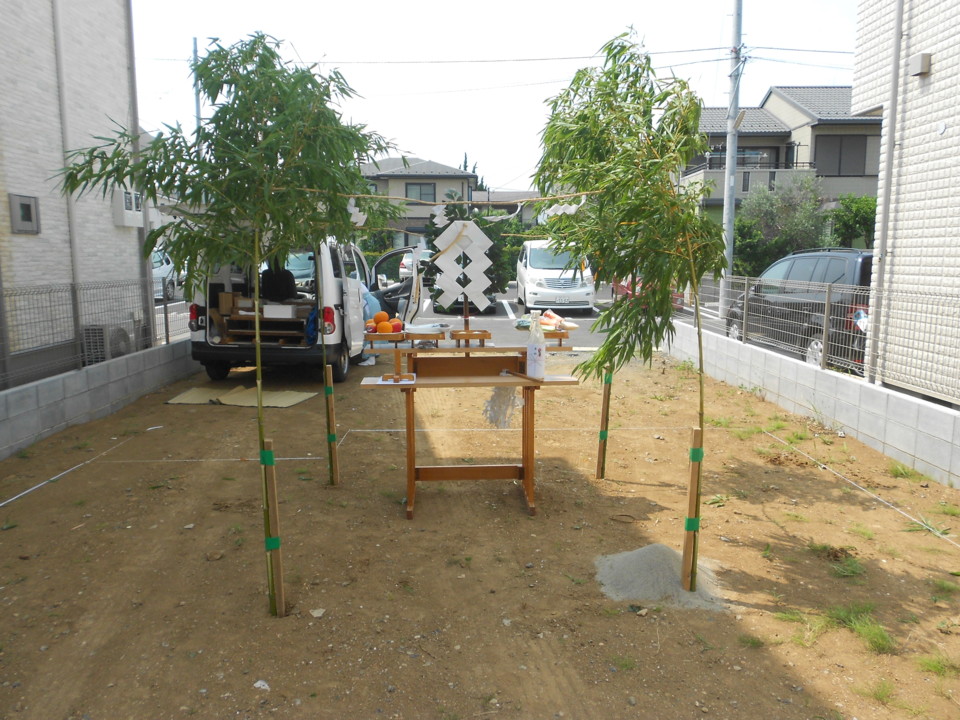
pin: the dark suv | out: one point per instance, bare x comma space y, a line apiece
804, 295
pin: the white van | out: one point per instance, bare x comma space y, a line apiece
301, 327
548, 280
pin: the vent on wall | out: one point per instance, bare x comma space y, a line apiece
104, 342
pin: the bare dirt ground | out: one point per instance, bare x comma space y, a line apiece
134, 585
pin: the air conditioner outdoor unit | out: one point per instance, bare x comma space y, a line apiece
104, 342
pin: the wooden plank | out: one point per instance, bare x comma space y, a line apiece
527, 451
435, 473
411, 451
456, 381
476, 365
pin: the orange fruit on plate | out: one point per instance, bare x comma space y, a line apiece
385, 327
380, 316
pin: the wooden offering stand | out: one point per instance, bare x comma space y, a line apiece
462, 367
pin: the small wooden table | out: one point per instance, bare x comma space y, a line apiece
434, 372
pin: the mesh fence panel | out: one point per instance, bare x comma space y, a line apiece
51, 329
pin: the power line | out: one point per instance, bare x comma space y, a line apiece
801, 50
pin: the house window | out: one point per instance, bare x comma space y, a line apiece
372, 188
745, 187
424, 192
131, 201
24, 214
841, 155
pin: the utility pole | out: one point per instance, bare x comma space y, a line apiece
730, 171
196, 86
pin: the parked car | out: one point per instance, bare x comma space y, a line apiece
548, 280
799, 296
305, 328
625, 289
165, 278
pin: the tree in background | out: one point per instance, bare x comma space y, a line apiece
770, 225
481, 185
855, 220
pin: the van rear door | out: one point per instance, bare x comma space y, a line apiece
355, 278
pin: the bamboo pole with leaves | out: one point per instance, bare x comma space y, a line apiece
272, 170
621, 136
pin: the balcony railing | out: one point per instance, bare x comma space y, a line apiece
720, 164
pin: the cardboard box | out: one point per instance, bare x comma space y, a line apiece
278, 312
226, 303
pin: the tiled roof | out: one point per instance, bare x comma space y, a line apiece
756, 121
822, 103
415, 167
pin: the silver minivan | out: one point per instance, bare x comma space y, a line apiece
549, 280
319, 319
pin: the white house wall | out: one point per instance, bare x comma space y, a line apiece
93, 46
923, 236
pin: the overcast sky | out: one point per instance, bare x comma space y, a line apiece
442, 79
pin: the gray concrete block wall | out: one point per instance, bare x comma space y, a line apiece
29, 413
920, 434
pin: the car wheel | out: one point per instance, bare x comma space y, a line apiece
520, 300
217, 370
169, 288
734, 331
341, 364
813, 352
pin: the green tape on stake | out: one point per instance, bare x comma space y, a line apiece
608, 379
328, 390
691, 524
271, 543
266, 457
696, 454
332, 438
603, 434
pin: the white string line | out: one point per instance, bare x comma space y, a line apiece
864, 490
394, 430
65, 472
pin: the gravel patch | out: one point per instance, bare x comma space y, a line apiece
651, 575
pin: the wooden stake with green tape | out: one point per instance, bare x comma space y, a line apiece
691, 525
332, 453
604, 426
271, 531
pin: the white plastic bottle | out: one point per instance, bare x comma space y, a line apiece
536, 348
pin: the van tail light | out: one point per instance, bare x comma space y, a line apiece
858, 318
329, 321
195, 312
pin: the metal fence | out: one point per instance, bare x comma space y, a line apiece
912, 345
51, 329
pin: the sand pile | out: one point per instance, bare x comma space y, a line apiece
651, 575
